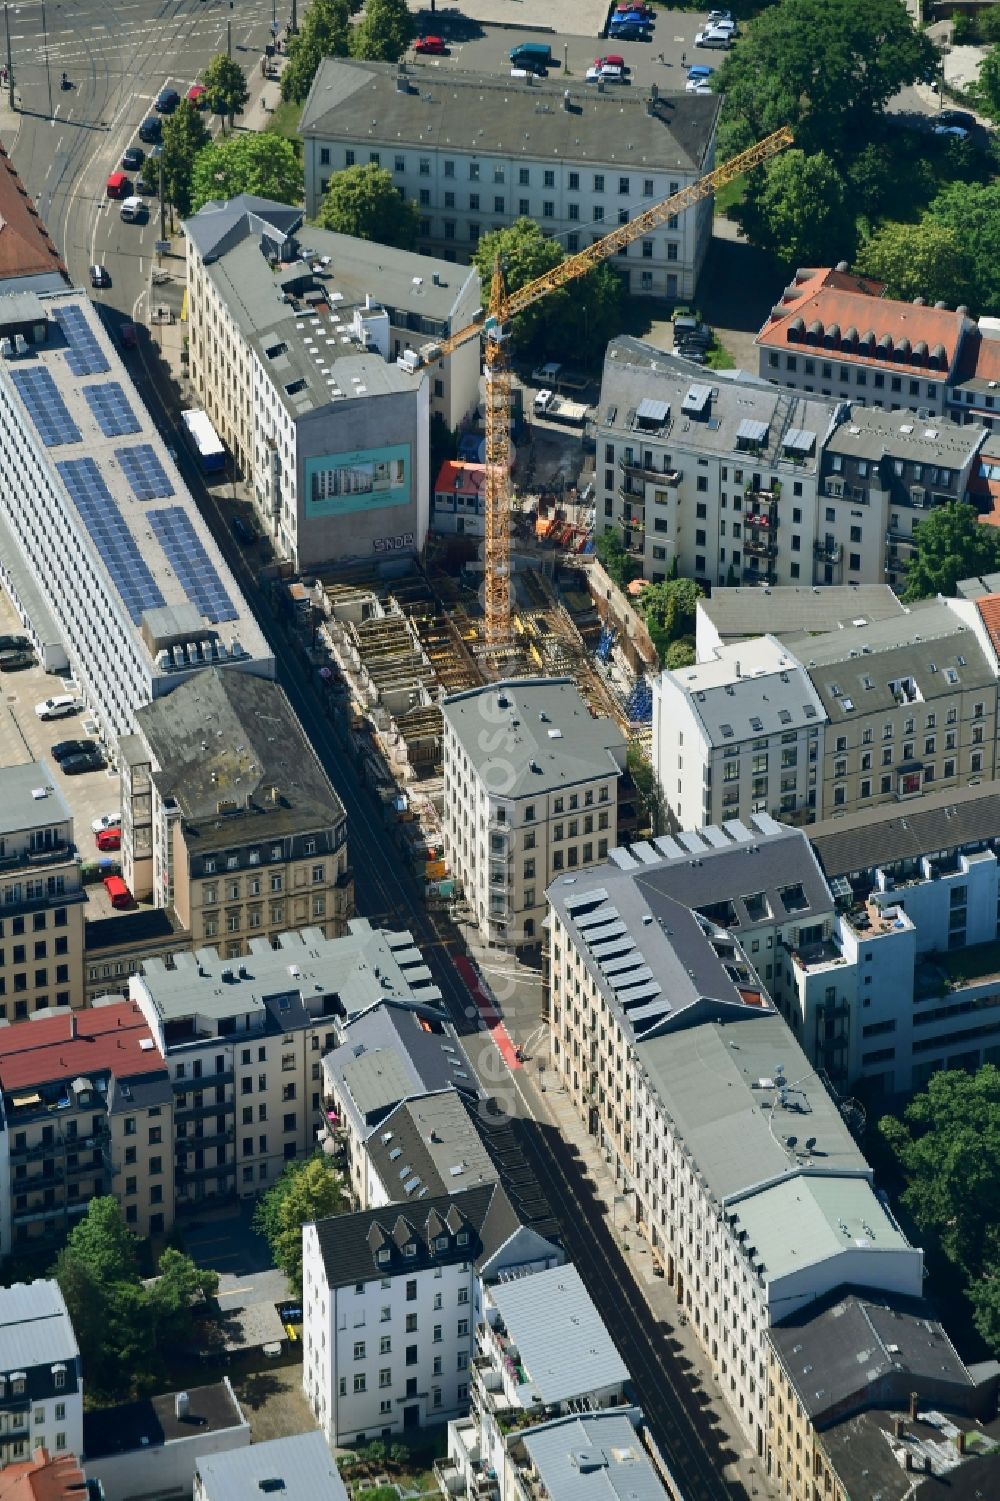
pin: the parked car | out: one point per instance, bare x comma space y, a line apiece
606, 74
13, 661
613, 60
106, 821
956, 132
151, 129
57, 707
74, 766
719, 15
643, 11
634, 16
166, 101
128, 336
434, 46
955, 117
100, 276
697, 86
117, 891
712, 38
133, 158
109, 840
700, 70
628, 31
64, 748
13, 643
197, 95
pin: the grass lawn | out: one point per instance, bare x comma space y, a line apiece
718, 358
733, 192
285, 122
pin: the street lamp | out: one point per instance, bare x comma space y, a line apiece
48, 71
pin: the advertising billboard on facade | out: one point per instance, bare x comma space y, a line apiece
368, 480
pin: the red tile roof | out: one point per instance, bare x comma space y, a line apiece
60, 1047
989, 609
458, 478
25, 247
832, 312
43, 1479
979, 360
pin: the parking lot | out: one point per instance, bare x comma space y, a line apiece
483, 48
25, 737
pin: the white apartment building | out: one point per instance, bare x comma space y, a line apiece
299, 343
41, 1381
530, 778
716, 472
752, 1192
244, 1040
742, 733
391, 1300
103, 520
484, 151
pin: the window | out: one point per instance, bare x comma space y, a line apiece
360, 1384
359, 1349
463, 1328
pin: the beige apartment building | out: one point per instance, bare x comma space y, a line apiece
248, 837
87, 1110
41, 896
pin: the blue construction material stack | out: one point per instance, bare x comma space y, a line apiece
640, 703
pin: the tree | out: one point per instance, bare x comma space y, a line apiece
987, 86
680, 653
362, 201
307, 1190
324, 32
950, 544
525, 253
918, 260
184, 135
828, 68
384, 31
669, 612
260, 163
796, 207
611, 554
972, 211
225, 87
104, 1244
180, 1286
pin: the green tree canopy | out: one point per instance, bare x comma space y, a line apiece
324, 32
926, 260
987, 86
796, 207
828, 68
972, 211
384, 31
184, 135
226, 87
611, 554
180, 1287
669, 612
261, 163
307, 1190
362, 201
104, 1244
680, 653
951, 544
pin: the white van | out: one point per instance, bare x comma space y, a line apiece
713, 38
134, 211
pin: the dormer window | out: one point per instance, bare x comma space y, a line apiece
59, 1377
17, 1381
383, 1256
462, 1237
441, 1243
409, 1249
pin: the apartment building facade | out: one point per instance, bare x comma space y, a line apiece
87, 1110
555, 153
246, 836
41, 1380
743, 733
531, 789
391, 1299
41, 895
749, 1218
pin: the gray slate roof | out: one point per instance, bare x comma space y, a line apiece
748, 690
226, 738
543, 723
936, 822
563, 1343
872, 433
792, 611
35, 1327
929, 643
393, 1051
299, 1468
597, 1456
433, 1138
19, 810
477, 112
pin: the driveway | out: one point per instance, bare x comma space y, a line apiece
225, 1241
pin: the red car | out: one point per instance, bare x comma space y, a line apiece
196, 95
109, 839
611, 61
435, 45
646, 11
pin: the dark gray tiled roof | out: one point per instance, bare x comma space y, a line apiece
790, 611
430, 1140
938, 821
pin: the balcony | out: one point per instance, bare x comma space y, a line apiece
760, 547
193, 1143
827, 552
648, 471
56, 854
38, 1181
198, 1112
451, 1481
759, 576
198, 1174
762, 497
201, 1082
631, 496
894, 535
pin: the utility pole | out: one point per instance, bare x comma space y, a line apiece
10, 65
163, 206
229, 40
293, 24
48, 70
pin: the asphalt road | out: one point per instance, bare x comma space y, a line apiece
117, 60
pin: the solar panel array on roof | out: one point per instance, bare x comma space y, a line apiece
144, 472
110, 535
45, 406
109, 405
191, 563
85, 356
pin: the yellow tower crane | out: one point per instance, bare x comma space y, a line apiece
503, 306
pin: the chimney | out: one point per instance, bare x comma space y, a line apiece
72, 1026
913, 1407
908, 1458
899, 1428
960, 1441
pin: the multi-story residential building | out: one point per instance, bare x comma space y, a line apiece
155, 1446
393, 1050
300, 1467
117, 947
430, 1140
910, 704
973, 394
29, 261
41, 1381
391, 1300
577, 160
243, 1043
835, 334
87, 1110
304, 353
103, 521
41, 895
459, 504
868, 1395
880, 473
728, 616
229, 819
713, 1118
716, 474
742, 733
531, 789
